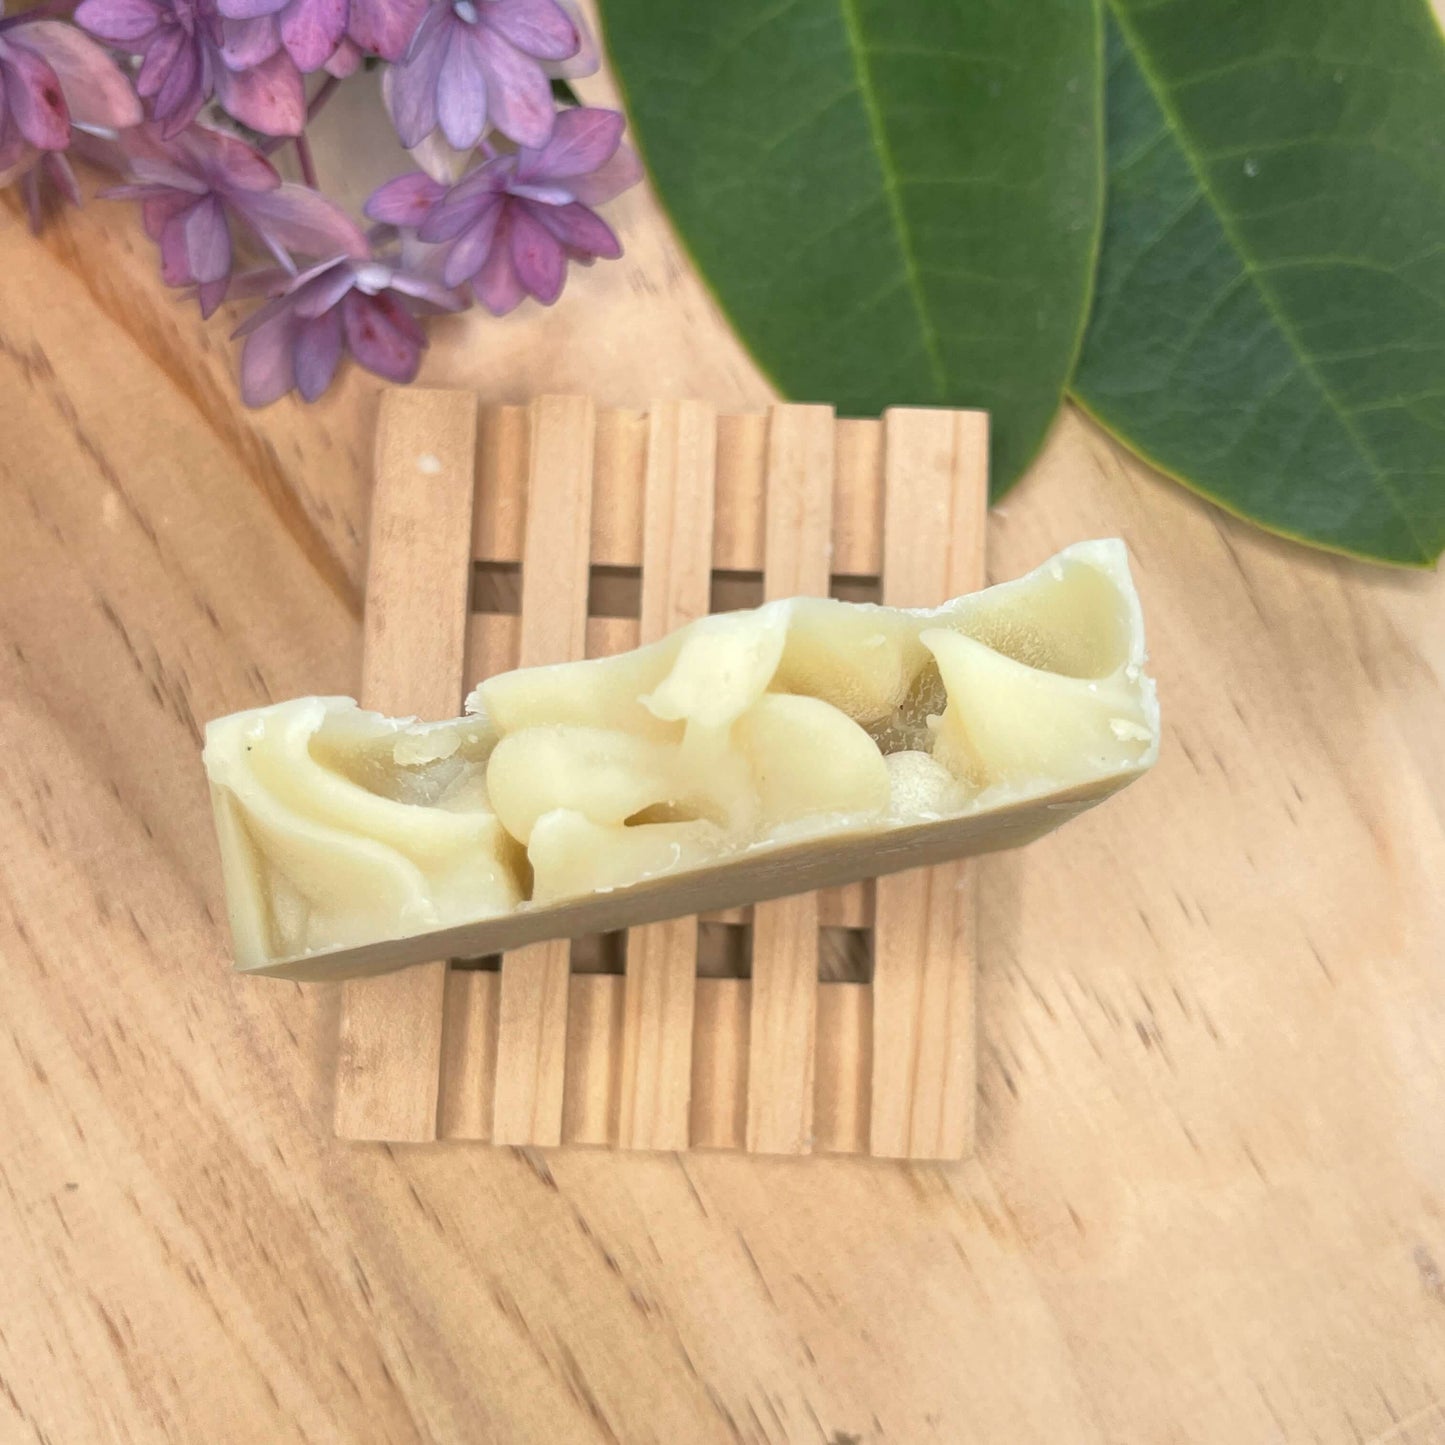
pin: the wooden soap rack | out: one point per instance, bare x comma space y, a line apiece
504, 536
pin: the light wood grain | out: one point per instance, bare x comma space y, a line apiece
797, 533
720, 1063
594, 1063
678, 495
532, 1010
1208, 1204
934, 502
843, 1086
413, 661
469, 1055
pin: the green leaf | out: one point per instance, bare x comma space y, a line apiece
1269, 319
895, 201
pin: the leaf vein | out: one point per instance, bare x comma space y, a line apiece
1164, 98
895, 200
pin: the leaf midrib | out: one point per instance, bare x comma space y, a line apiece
888, 169
1162, 95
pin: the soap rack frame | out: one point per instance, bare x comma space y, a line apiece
509, 535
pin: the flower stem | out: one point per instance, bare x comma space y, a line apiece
318, 101
30, 188
303, 158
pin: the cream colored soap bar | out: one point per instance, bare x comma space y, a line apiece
751, 754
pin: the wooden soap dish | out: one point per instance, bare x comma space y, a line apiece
507, 536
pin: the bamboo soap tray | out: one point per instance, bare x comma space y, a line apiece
838, 1022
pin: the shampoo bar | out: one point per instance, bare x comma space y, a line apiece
748, 755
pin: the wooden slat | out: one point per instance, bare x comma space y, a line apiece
796, 544
657, 1035
720, 1063
532, 1036
742, 459
858, 499
414, 659
935, 503
499, 523
609, 635
845, 1049
847, 905
594, 1056
662, 957
618, 462
469, 1054
493, 642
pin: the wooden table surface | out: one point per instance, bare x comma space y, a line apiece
1209, 1197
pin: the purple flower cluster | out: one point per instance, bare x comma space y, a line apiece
505, 201
507, 229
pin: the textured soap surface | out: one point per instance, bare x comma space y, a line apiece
789, 727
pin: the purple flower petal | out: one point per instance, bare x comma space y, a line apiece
405, 201
435, 24
211, 294
519, 95
58, 170
248, 42
470, 251
496, 285
317, 352
159, 211
230, 163
268, 281
181, 93
423, 288
208, 240
36, 102
537, 255
315, 297
586, 60
462, 95
382, 337
95, 89
543, 195
270, 98
583, 139
312, 29
159, 58
579, 229
385, 27
175, 259
536, 27
300, 219
249, 9
611, 179
460, 209
277, 306
156, 173
119, 21
410, 87
345, 59
268, 367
